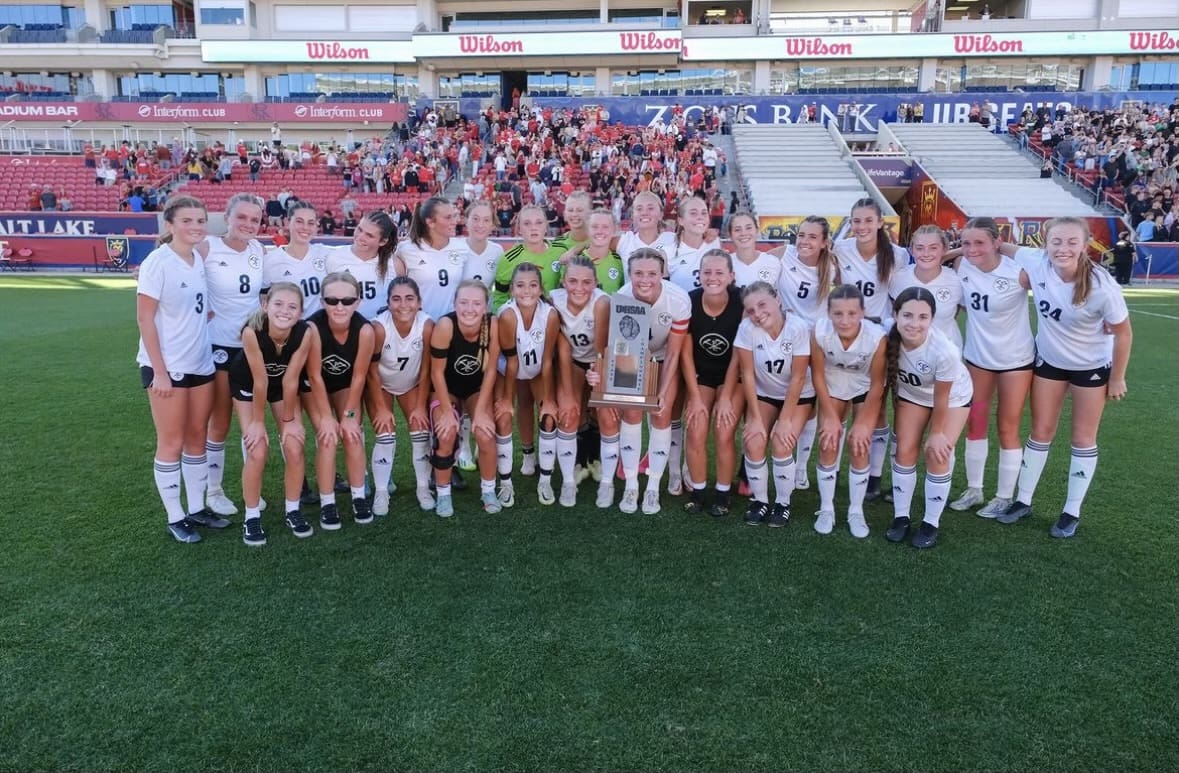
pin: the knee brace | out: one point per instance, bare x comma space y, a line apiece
442, 461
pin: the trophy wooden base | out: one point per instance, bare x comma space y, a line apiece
648, 401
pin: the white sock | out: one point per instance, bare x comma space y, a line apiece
878, 451
566, 454
976, 462
195, 470
464, 446
1009, 463
503, 455
487, 486
783, 479
357, 492
658, 451
547, 448
420, 445
292, 505
1080, 474
857, 486
675, 459
382, 461
253, 513
806, 442
759, 485
609, 453
826, 481
630, 438
168, 484
937, 490
215, 454
327, 498
443, 491
904, 480
1035, 456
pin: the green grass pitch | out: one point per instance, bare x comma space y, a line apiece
556, 639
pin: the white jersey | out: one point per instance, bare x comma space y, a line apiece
437, 272
946, 290
630, 241
235, 281
1072, 337
373, 290
683, 263
998, 327
935, 360
764, 268
480, 265
798, 287
181, 317
848, 370
307, 272
670, 313
530, 341
862, 273
773, 357
400, 366
579, 327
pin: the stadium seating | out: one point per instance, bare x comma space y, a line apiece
67, 173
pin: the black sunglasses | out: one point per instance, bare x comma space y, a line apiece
338, 301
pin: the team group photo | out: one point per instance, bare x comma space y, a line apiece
693, 385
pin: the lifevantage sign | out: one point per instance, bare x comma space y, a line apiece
920, 45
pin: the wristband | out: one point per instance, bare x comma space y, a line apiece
349, 414
507, 353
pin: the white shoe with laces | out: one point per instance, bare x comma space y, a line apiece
857, 525
216, 501
507, 493
425, 499
825, 523
971, 497
995, 507
605, 494
568, 495
651, 502
381, 503
630, 501
544, 491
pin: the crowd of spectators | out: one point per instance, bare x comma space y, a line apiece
1131, 153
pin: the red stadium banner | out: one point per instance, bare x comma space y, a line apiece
207, 112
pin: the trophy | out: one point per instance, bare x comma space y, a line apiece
629, 376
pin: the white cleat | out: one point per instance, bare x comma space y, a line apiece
995, 507
219, 503
801, 479
675, 484
605, 494
651, 502
825, 523
971, 497
425, 499
544, 491
528, 465
857, 525
507, 493
568, 495
630, 501
380, 503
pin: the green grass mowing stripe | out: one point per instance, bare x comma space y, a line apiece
564, 639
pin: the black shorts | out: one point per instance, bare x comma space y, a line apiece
583, 365
185, 380
224, 355
807, 400
859, 399
1028, 366
710, 377
1098, 377
244, 393
771, 401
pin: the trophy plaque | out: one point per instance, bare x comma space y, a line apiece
630, 378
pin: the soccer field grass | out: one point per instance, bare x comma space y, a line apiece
562, 639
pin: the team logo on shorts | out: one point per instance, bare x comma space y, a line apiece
943, 295
537, 335
176, 375
220, 356
319, 264
923, 366
786, 347
1001, 285
255, 261
275, 369
664, 318
612, 273
466, 365
764, 275
714, 343
455, 256
335, 365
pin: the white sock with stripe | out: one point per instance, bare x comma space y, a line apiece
1035, 456
566, 455
1080, 475
215, 456
759, 485
783, 479
195, 470
167, 476
382, 460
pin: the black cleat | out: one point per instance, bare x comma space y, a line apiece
873, 491
720, 505
1016, 511
1065, 526
779, 516
184, 531
898, 530
209, 519
926, 536
756, 513
307, 496
695, 503
341, 484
